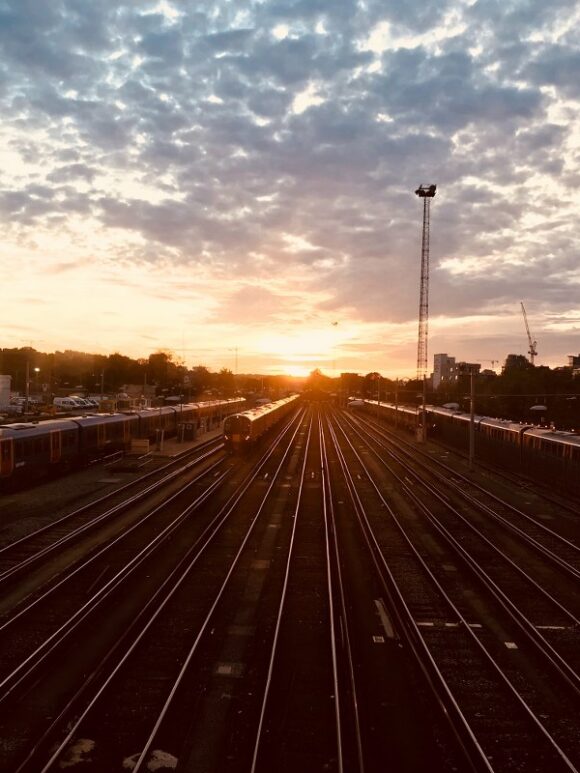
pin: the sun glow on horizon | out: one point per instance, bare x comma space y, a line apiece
301, 345
295, 370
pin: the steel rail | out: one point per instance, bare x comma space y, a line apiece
413, 451
450, 709
530, 542
53, 547
112, 494
141, 760
479, 644
333, 539
327, 504
281, 609
27, 667
79, 567
533, 635
193, 555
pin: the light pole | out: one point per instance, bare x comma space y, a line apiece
471, 419
424, 411
27, 387
36, 372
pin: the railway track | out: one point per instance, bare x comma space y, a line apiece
395, 684
491, 618
38, 559
303, 695
123, 612
53, 528
557, 549
327, 603
512, 481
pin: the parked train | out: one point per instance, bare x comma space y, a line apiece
29, 451
242, 430
550, 456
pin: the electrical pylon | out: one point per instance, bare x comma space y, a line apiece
426, 192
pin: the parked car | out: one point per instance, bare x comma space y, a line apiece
65, 404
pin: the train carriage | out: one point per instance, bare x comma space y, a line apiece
6, 456
546, 455
204, 416
149, 421
499, 441
102, 434
243, 430
552, 454
403, 416
211, 413
29, 450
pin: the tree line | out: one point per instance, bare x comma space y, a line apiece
160, 373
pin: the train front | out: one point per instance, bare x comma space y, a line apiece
237, 432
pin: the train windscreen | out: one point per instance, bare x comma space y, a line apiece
235, 425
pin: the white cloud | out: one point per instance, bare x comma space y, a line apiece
282, 141
307, 98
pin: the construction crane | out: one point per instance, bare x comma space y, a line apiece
425, 192
533, 352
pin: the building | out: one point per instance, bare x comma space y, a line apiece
574, 363
444, 370
5, 385
466, 369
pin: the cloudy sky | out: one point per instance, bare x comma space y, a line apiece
209, 177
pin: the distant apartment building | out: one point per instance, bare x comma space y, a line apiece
447, 371
466, 369
444, 370
5, 384
574, 363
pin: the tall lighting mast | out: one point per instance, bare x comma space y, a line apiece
425, 192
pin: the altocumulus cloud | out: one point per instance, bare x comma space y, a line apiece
198, 134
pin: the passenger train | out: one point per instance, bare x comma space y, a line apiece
243, 430
29, 451
547, 455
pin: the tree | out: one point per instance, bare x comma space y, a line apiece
224, 382
371, 385
158, 368
199, 379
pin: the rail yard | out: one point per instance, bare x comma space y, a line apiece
331, 597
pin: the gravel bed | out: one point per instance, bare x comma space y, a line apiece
23, 511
